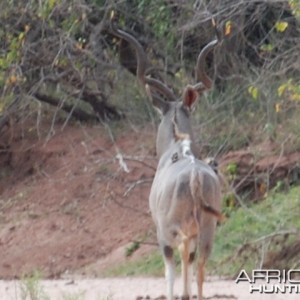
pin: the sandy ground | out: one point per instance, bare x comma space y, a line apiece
131, 288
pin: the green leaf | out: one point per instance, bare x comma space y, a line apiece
282, 89
253, 91
281, 26
267, 47
232, 168
51, 3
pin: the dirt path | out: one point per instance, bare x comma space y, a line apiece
131, 289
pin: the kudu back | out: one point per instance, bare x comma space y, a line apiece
185, 194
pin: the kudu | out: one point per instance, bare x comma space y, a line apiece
185, 194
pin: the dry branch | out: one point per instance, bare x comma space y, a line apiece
75, 111
135, 184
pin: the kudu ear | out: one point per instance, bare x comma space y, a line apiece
158, 103
190, 97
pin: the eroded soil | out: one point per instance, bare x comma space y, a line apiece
67, 202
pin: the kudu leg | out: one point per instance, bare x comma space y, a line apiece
200, 277
187, 251
169, 270
208, 225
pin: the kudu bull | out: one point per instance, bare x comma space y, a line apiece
185, 194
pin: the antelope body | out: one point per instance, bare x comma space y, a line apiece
185, 194
184, 200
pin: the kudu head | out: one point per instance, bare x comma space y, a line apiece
173, 109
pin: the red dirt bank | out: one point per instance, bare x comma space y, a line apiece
62, 203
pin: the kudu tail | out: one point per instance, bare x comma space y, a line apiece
196, 186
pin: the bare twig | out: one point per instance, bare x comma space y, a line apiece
276, 233
131, 158
119, 155
122, 163
135, 184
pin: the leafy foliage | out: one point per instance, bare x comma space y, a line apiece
60, 52
271, 226
46, 58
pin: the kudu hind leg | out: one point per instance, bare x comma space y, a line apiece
205, 247
168, 255
200, 276
187, 252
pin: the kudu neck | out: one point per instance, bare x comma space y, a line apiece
166, 138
